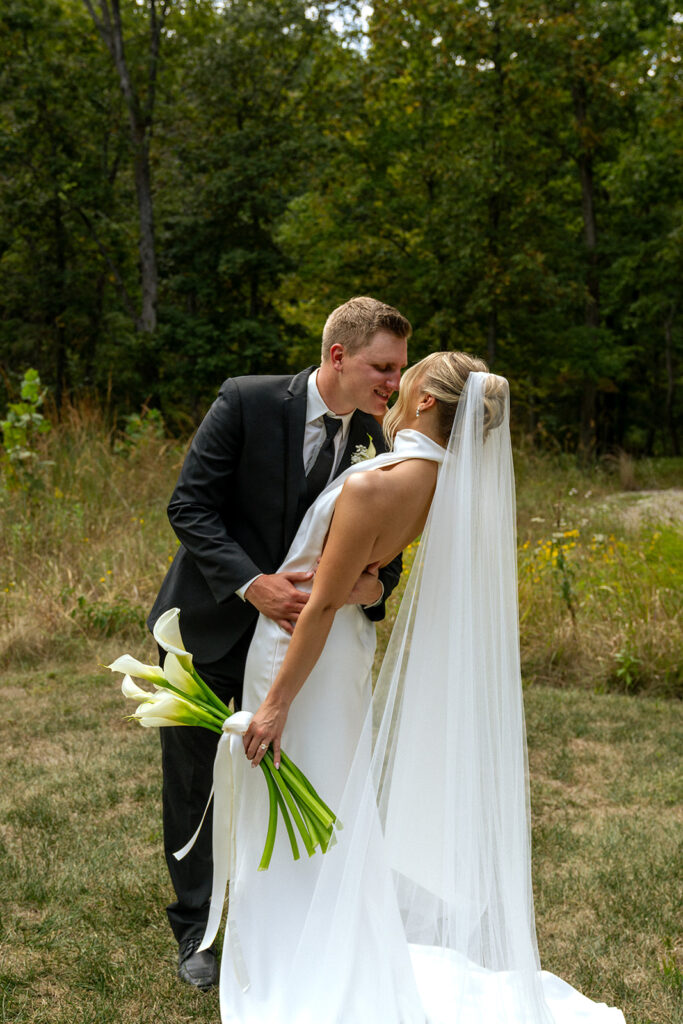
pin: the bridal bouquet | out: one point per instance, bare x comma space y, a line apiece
181, 697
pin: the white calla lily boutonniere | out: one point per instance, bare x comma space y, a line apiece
363, 452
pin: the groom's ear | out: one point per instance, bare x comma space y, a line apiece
336, 356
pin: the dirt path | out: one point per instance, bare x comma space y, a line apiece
636, 506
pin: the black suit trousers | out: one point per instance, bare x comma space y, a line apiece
187, 756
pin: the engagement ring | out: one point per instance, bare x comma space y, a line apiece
264, 746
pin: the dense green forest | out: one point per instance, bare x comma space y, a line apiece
188, 187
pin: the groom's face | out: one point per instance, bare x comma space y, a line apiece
370, 376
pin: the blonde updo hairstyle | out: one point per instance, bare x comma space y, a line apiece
443, 375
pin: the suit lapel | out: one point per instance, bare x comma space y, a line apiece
359, 428
295, 477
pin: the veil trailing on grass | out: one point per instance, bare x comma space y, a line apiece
432, 867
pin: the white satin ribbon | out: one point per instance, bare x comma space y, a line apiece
224, 822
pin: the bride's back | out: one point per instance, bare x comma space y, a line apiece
394, 501
376, 516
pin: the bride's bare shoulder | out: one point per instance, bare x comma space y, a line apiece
398, 482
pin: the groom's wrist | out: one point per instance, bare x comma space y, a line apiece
379, 599
242, 591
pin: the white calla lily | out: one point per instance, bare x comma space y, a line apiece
164, 708
150, 720
363, 452
132, 667
176, 674
164, 699
167, 635
130, 689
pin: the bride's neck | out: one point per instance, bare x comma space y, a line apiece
426, 423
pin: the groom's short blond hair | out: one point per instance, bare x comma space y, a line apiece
355, 324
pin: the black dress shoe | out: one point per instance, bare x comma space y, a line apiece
198, 969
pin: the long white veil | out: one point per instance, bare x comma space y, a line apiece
432, 867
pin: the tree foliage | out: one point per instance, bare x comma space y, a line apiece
188, 188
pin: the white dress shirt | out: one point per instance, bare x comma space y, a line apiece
315, 433
314, 437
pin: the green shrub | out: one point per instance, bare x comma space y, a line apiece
21, 427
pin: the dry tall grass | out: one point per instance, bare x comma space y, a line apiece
601, 574
85, 544
84, 547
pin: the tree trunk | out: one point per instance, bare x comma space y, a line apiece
56, 304
254, 282
59, 302
95, 331
492, 333
148, 260
495, 196
588, 434
140, 118
670, 385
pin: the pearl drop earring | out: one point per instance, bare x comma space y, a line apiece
417, 413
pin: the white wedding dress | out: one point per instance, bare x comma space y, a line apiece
342, 938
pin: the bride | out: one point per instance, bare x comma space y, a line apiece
422, 911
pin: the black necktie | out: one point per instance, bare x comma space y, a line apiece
320, 471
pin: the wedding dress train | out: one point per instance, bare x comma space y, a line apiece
421, 913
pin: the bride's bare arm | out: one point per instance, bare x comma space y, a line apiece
376, 515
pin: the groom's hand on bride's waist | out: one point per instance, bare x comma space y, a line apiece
368, 588
277, 597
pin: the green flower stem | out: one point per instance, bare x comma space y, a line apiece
320, 834
312, 800
298, 774
203, 714
272, 820
312, 824
306, 797
287, 820
211, 696
195, 702
214, 728
294, 811
199, 722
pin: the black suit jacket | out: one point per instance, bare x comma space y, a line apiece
240, 497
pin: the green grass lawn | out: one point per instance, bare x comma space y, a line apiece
83, 933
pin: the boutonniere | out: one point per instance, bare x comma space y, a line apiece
363, 452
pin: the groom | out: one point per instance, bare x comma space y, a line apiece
263, 453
